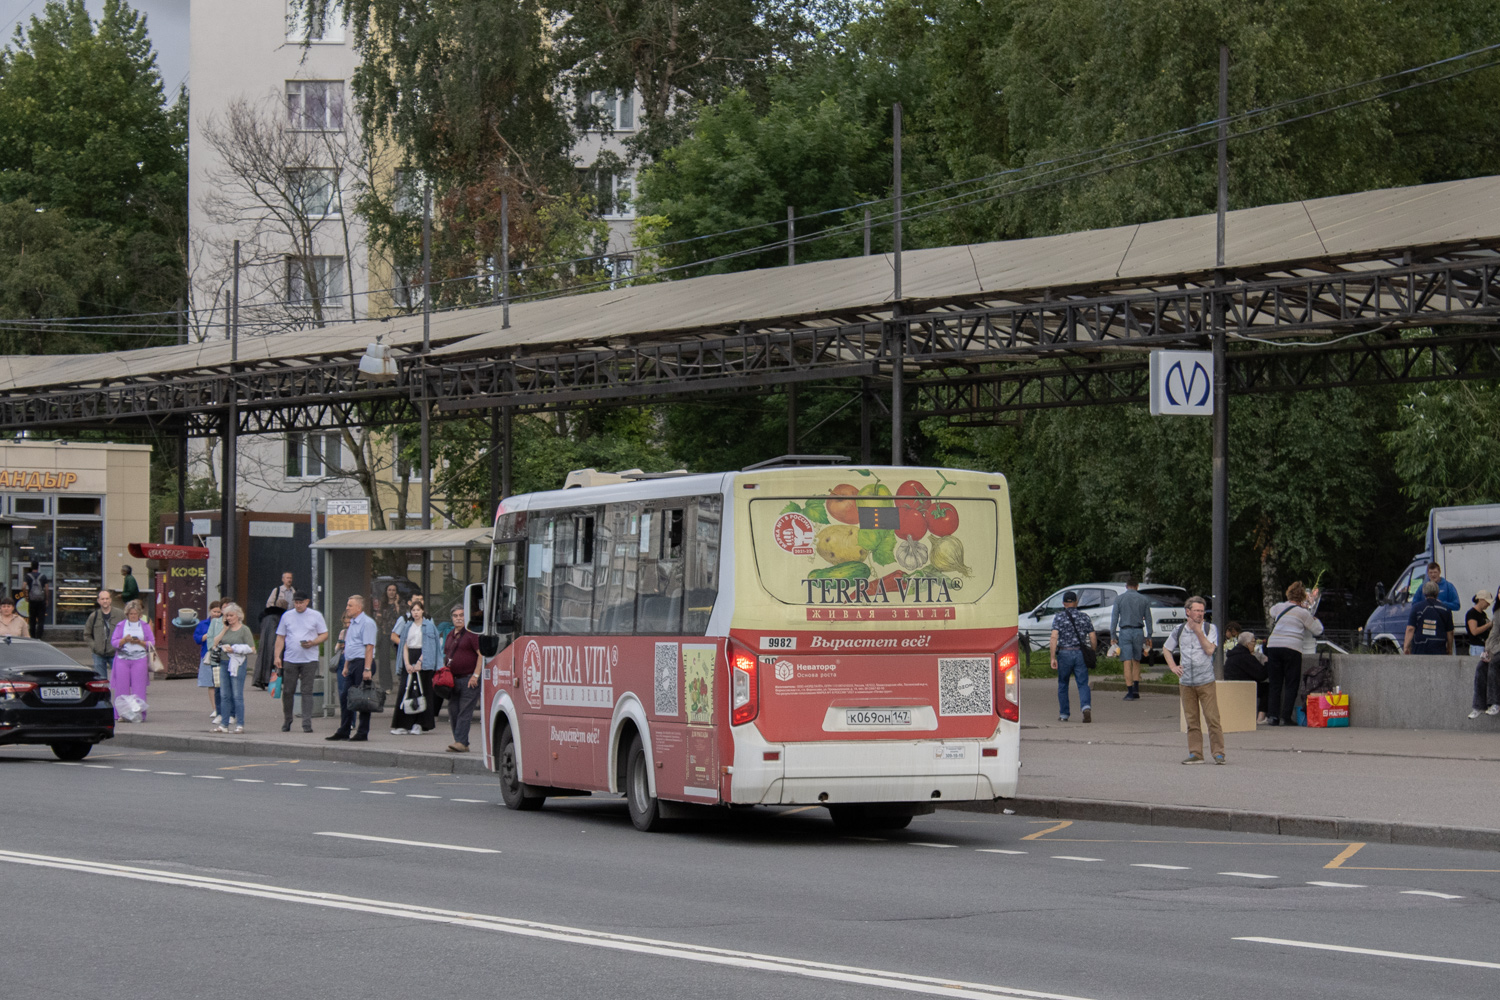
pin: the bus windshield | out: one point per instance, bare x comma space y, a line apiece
879, 549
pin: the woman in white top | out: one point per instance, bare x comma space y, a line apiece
420, 656
1293, 623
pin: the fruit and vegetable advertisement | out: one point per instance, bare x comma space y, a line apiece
875, 548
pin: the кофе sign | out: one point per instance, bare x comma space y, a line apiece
36, 480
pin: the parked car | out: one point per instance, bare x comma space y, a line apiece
47, 697
1097, 600
1465, 541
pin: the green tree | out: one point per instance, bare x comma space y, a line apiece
1446, 444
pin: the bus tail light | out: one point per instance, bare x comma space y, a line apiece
1008, 682
744, 687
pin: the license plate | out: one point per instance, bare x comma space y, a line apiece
55, 693
894, 717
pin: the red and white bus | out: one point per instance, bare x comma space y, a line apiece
838, 636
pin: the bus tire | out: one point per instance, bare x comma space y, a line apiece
856, 818
516, 793
645, 810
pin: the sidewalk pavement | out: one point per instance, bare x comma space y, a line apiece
1427, 787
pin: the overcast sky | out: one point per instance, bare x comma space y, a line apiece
166, 20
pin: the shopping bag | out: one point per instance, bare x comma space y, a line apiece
1327, 710
275, 687
129, 707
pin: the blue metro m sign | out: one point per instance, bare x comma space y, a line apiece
1182, 383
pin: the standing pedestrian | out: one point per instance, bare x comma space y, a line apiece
298, 635
461, 653
1071, 629
1241, 663
38, 595
420, 657
1487, 671
1447, 593
1130, 624
359, 668
1291, 620
1195, 641
133, 643
206, 634
130, 590
11, 623
278, 603
99, 630
1429, 626
237, 643
388, 612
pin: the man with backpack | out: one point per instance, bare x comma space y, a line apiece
1429, 627
38, 593
1072, 631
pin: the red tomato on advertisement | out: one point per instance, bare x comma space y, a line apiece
912, 488
942, 519
913, 525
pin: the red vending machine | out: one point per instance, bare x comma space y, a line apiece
181, 585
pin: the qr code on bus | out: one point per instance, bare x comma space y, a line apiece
964, 686
666, 678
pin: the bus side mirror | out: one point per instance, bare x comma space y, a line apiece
474, 608
489, 645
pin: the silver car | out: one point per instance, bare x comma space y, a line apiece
1097, 600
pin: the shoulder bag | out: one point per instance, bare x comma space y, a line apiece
1090, 656
442, 681
414, 702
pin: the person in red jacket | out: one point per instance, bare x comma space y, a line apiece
461, 654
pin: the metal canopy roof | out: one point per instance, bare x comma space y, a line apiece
1353, 232
408, 539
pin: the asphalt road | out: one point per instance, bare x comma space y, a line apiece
172, 875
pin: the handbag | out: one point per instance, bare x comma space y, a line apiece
413, 701
365, 697
157, 667
1090, 655
442, 681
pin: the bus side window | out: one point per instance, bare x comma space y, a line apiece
540, 559
618, 551
660, 578
703, 564
573, 573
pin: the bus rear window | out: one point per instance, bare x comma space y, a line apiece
876, 549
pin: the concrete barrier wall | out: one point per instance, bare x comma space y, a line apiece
1411, 692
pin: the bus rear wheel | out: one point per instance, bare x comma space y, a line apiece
515, 792
852, 819
645, 810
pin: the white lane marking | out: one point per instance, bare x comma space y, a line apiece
1428, 892
1248, 875
374, 791
468, 800
1072, 857
107, 767
291, 784
175, 774
926, 843
411, 796
139, 770
68, 763
1378, 953
331, 788
1339, 885
1167, 868
707, 955
406, 843
996, 850
251, 781
210, 777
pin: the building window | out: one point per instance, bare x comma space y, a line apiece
314, 192
329, 30
315, 105
406, 193
313, 454
315, 280
612, 111
617, 195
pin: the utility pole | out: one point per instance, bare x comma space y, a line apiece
898, 373
1221, 384
505, 257
421, 387
867, 232
791, 418
791, 237
229, 481
182, 442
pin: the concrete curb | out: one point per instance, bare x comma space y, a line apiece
1242, 821
367, 756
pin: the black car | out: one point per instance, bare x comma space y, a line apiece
46, 697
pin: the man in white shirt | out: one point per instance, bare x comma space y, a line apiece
298, 635
1195, 642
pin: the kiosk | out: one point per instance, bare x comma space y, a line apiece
181, 602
